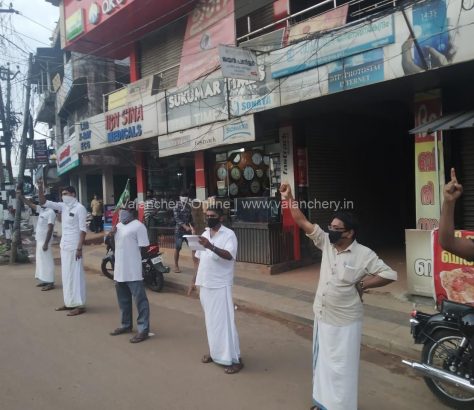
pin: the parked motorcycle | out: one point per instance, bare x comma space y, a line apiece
152, 265
447, 358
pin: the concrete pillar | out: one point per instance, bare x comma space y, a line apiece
83, 198
108, 186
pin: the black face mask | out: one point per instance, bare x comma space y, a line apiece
335, 236
212, 222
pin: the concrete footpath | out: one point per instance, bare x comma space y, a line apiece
289, 296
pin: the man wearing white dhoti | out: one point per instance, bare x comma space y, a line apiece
347, 270
44, 255
215, 276
73, 218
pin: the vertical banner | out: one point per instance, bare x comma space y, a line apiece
302, 167
211, 23
453, 276
429, 168
286, 157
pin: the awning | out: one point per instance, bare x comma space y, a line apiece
464, 119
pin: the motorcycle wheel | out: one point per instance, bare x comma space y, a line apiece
153, 279
107, 267
435, 352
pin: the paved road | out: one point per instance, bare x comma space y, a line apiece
53, 362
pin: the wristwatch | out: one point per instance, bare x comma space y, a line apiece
361, 283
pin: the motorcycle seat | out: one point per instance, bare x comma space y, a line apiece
454, 309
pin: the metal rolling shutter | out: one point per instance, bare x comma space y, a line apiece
162, 51
467, 175
258, 18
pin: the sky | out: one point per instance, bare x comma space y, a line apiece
28, 31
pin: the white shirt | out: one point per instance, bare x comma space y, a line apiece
46, 217
129, 239
214, 271
337, 301
73, 219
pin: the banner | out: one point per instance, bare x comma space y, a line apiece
429, 178
211, 23
40, 149
453, 276
67, 156
238, 63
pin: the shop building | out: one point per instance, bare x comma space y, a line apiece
338, 91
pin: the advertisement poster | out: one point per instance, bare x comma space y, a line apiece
429, 177
419, 262
332, 47
356, 71
453, 276
325, 21
40, 149
211, 23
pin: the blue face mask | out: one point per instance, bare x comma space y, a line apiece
125, 216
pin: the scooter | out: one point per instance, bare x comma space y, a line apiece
447, 358
152, 265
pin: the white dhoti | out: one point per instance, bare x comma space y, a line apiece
44, 263
74, 282
336, 354
222, 333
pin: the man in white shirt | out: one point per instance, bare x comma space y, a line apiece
215, 277
130, 236
73, 218
347, 270
44, 254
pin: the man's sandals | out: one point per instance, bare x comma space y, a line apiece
234, 368
73, 311
48, 286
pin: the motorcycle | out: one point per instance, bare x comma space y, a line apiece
152, 265
447, 358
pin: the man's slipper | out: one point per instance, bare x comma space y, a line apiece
60, 309
235, 368
48, 287
206, 359
139, 337
177, 270
40, 285
121, 331
76, 311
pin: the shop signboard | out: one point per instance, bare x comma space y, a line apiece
241, 129
304, 86
198, 103
237, 62
429, 169
333, 46
40, 149
75, 24
211, 23
286, 157
248, 97
67, 156
356, 71
419, 262
325, 21
453, 276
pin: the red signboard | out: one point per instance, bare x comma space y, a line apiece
211, 23
453, 276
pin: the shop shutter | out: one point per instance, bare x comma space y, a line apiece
245, 7
467, 174
161, 52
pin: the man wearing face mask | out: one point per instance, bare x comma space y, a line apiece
347, 270
215, 277
182, 213
130, 236
73, 218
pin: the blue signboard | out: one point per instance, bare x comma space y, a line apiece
333, 46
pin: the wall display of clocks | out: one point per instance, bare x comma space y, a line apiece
222, 172
233, 189
259, 173
249, 173
266, 160
235, 173
255, 187
257, 158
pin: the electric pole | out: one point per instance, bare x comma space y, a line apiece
16, 238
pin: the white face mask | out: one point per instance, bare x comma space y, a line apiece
68, 199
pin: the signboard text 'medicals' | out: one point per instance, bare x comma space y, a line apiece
125, 124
